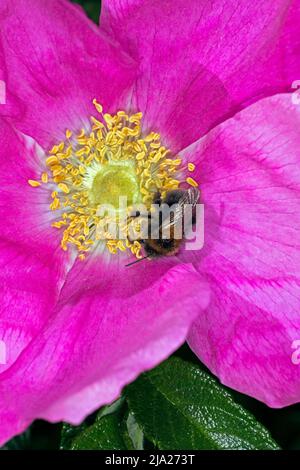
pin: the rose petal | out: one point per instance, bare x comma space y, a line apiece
98, 341
201, 61
25, 217
31, 267
57, 62
250, 183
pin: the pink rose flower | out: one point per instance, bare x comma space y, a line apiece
212, 79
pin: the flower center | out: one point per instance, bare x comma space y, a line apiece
113, 181
95, 168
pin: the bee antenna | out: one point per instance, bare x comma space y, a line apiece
137, 261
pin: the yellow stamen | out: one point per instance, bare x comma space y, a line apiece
52, 161
97, 166
34, 183
45, 178
97, 106
192, 182
55, 204
63, 187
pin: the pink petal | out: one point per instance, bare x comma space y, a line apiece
250, 182
103, 333
201, 61
57, 63
29, 292
25, 217
31, 267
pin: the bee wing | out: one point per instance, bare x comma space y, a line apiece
190, 197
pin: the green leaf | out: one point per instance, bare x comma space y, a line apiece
132, 433
21, 442
179, 406
69, 434
104, 433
